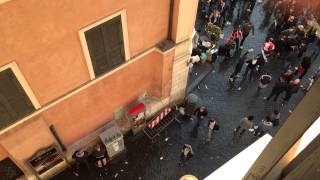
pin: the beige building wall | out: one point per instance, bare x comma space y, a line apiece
183, 25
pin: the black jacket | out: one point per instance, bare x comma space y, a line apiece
278, 87
306, 62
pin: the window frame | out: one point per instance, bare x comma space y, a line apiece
123, 15
24, 84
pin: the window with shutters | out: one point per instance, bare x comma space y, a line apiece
106, 46
14, 101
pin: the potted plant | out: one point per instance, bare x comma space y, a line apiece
213, 32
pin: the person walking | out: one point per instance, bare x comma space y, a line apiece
201, 113
239, 65
212, 125
246, 27
291, 88
245, 124
277, 89
287, 76
252, 3
263, 127
237, 35
252, 64
186, 154
264, 81
275, 118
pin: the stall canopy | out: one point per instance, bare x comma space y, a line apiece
137, 109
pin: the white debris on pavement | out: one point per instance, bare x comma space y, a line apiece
116, 175
126, 162
161, 158
206, 86
121, 170
166, 139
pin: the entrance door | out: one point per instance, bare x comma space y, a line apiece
9, 171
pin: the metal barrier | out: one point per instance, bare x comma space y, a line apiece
159, 122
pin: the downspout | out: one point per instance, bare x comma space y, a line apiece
170, 20
57, 138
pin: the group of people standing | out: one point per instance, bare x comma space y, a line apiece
288, 37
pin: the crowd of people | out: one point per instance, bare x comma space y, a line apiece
290, 34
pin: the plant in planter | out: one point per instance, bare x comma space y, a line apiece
213, 32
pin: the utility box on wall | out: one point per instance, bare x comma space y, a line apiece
113, 140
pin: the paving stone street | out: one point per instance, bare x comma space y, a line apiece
159, 161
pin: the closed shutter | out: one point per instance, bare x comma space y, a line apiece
14, 102
105, 44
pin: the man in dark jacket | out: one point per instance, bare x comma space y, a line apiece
291, 88
239, 65
80, 158
277, 89
252, 64
286, 76
201, 113
246, 27
212, 125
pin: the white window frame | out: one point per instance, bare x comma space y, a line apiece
24, 84
84, 44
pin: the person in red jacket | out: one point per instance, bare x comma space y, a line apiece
237, 35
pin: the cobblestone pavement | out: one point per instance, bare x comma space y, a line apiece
159, 161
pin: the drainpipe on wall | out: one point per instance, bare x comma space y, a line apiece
170, 20
57, 138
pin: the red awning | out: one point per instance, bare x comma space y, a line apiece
137, 109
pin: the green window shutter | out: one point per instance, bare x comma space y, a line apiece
106, 48
14, 102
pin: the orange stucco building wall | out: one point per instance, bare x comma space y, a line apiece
41, 36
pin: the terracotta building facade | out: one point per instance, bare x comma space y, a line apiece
77, 62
